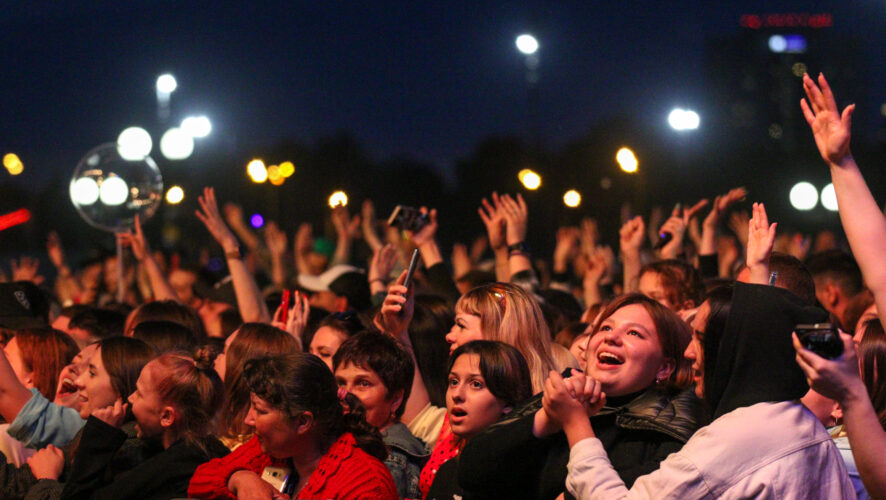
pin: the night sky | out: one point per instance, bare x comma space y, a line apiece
424, 80
420, 82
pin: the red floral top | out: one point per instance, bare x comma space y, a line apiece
447, 446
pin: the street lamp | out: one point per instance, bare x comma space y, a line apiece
176, 144
572, 198
529, 179
803, 196
683, 119
197, 127
527, 44
166, 85
627, 161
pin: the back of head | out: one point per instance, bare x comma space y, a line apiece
872, 361
23, 305
748, 352
383, 355
300, 382
431, 320
838, 267
194, 390
99, 323
504, 369
45, 352
167, 310
252, 341
166, 336
793, 276
124, 358
510, 315
682, 283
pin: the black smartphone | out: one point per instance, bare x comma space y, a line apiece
412, 265
407, 218
821, 338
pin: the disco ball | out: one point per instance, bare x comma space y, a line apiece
109, 190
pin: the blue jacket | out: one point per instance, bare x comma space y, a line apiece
406, 457
41, 422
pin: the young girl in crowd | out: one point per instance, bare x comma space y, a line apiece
35, 357
487, 380
250, 341
300, 426
635, 350
174, 405
741, 353
331, 332
110, 374
378, 371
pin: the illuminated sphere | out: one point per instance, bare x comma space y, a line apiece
134, 143
626, 160
176, 144
829, 198
108, 190
572, 198
527, 44
257, 171
683, 119
804, 196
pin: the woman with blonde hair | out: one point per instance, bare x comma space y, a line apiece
506, 313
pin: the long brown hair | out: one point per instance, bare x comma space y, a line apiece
45, 352
673, 334
872, 357
508, 314
252, 341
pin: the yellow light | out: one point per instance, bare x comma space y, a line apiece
277, 181
257, 171
287, 169
531, 180
16, 169
626, 160
175, 195
11, 160
572, 198
522, 174
274, 173
338, 198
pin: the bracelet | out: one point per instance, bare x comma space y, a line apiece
383, 282
234, 254
518, 248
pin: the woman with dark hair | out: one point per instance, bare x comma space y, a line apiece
331, 332
635, 350
487, 379
299, 426
174, 405
378, 371
432, 318
741, 352
166, 336
250, 341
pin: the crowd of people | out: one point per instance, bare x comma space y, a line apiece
670, 368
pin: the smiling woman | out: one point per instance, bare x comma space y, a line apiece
635, 351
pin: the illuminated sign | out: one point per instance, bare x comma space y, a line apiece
20, 216
801, 20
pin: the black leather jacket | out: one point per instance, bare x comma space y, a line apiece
637, 435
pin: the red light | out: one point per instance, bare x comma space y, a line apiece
789, 20
750, 21
20, 216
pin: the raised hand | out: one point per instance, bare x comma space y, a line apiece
494, 220
47, 463
275, 239
761, 237
233, 215
136, 241
566, 249
396, 310
461, 263
368, 224
113, 415
631, 235
296, 319
380, 267
738, 223
426, 234
55, 251
516, 215
26, 269
835, 379
831, 129
478, 247
345, 225
212, 219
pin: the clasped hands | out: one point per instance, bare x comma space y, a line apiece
572, 400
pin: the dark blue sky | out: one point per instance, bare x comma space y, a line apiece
422, 79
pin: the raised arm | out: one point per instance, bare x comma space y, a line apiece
136, 240
630, 241
249, 300
862, 219
275, 239
345, 229
721, 204
368, 224
516, 215
761, 236
494, 220
13, 394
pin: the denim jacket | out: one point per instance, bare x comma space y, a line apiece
406, 456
